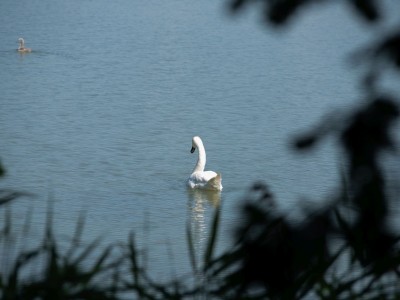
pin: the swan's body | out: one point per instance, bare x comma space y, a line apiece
200, 179
21, 47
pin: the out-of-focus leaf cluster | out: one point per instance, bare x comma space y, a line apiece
386, 48
275, 258
278, 12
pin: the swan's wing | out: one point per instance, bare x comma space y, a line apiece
215, 182
205, 180
202, 176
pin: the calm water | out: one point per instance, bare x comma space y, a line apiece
99, 117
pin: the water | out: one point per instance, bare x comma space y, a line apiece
99, 117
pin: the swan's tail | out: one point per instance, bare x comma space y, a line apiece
215, 183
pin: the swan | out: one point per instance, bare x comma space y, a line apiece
21, 47
200, 179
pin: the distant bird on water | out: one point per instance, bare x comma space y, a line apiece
21, 47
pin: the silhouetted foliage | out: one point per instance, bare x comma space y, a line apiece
293, 261
278, 12
274, 254
390, 49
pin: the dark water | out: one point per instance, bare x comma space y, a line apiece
99, 117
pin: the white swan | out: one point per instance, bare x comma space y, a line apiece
200, 179
21, 47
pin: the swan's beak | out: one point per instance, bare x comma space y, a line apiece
192, 150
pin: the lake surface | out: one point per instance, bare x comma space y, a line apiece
99, 117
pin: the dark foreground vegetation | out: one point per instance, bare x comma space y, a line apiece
343, 251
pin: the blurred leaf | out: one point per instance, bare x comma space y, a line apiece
280, 10
2, 170
390, 48
99, 263
305, 142
367, 8
7, 196
77, 235
237, 4
86, 252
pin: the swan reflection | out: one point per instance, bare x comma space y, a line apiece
202, 205
201, 202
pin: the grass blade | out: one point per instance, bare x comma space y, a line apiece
212, 239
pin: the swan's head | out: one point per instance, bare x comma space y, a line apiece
21, 40
196, 142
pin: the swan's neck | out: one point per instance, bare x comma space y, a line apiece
201, 161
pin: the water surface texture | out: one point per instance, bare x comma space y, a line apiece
99, 117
